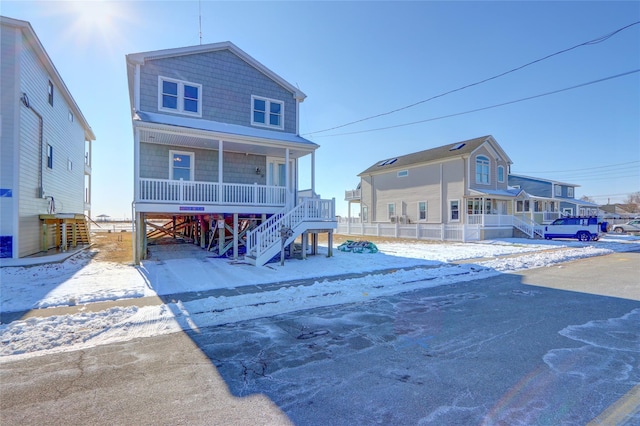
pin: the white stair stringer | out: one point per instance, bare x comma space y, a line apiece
265, 241
528, 227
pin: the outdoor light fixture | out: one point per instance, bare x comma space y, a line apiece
258, 171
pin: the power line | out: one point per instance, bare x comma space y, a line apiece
586, 43
485, 108
588, 168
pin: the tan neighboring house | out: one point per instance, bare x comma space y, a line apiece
457, 191
45, 150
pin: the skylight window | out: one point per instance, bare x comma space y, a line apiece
457, 146
387, 162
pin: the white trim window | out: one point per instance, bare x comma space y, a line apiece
179, 96
391, 210
181, 165
422, 210
403, 173
557, 191
454, 210
482, 169
364, 215
267, 112
570, 193
501, 174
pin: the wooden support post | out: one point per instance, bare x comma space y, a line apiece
44, 236
221, 231
235, 236
305, 241
201, 225
330, 244
63, 245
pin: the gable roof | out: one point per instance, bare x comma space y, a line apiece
454, 150
140, 58
45, 60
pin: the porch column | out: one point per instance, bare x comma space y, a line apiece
220, 174
287, 172
313, 172
136, 165
235, 236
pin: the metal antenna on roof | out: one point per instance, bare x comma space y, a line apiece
200, 19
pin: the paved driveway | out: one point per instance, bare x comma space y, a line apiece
495, 351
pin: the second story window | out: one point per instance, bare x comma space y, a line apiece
500, 174
570, 191
49, 156
558, 191
179, 96
267, 112
482, 169
50, 89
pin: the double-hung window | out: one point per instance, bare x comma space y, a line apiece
501, 174
179, 96
422, 210
181, 167
267, 112
482, 169
454, 210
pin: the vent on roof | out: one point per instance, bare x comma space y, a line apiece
387, 162
457, 146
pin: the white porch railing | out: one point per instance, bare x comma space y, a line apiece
353, 194
490, 219
180, 191
550, 216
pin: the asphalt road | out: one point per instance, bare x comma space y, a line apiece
556, 345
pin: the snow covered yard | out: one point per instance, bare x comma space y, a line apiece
399, 266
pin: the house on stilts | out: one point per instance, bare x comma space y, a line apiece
216, 154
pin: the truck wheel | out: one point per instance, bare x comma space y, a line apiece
617, 230
584, 236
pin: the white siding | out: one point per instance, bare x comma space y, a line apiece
8, 105
67, 140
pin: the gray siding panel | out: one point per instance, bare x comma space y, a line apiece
227, 82
238, 168
531, 186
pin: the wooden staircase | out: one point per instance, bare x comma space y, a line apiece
77, 232
265, 241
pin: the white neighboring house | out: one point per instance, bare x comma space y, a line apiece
45, 150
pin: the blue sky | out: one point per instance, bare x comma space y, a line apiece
359, 59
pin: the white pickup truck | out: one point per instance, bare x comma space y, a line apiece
582, 228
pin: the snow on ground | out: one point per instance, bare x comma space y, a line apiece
397, 267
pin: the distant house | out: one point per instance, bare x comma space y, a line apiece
45, 154
550, 199
216, 150
463, 183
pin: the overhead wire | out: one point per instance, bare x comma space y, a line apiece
577, 170
586, 43
485, 108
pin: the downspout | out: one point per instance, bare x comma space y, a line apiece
25, 101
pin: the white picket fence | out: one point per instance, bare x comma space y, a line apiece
419, 231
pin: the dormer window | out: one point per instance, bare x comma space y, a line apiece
180, 97
267, 112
